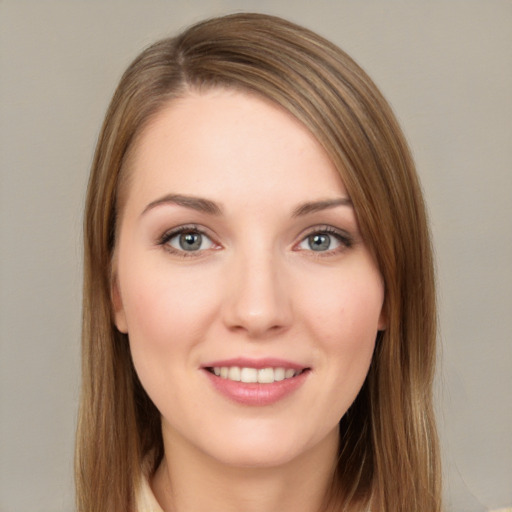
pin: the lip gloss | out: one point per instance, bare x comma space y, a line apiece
256, 393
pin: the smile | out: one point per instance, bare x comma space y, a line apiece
254, 375
256, 382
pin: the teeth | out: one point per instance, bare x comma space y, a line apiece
253, 375
266, 375
289, 373
279, 374
249, 375
234, 373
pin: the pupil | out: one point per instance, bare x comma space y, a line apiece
190, 241
319, 242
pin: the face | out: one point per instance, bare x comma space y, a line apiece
250, 300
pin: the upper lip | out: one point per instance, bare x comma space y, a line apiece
259, 363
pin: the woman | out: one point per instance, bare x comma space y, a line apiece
259, 307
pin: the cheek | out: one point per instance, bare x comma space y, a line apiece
347, 311
166, 309
345, 321
168, 315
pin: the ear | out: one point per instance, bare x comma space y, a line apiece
382, 324
117, 305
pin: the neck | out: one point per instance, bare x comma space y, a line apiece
189, 480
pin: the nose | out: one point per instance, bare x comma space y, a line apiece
258, 296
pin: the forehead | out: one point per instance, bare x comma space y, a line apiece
224, 144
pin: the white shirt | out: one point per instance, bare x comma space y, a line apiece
145, 499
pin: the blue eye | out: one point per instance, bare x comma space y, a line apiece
325, 240
319, 242
187, 240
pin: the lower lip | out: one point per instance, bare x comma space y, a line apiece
256, 394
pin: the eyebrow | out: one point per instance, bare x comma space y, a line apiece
316, 206
210, 207
194, 203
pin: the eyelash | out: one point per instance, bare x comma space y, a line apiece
344, 238
169, 235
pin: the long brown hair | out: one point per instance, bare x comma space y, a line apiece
388, 445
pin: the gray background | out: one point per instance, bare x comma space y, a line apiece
445, 66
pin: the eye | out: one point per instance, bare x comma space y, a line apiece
319, 242
325, 240
187, 240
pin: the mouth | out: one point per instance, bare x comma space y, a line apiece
256, 382
250, 375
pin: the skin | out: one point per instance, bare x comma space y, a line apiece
255, 288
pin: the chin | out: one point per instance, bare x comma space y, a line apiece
251, 457
270, 448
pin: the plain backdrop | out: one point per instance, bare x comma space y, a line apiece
446, 68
